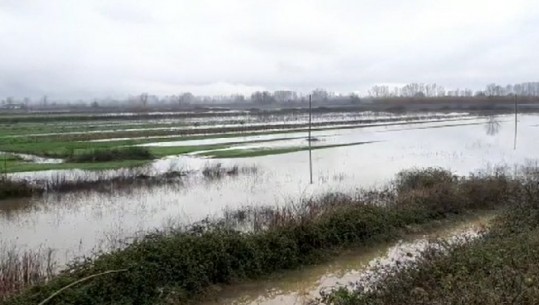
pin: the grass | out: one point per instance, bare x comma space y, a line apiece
20, 134
61, 144
179, 265
18, 166
109, 155
56, 148
22, 129
499, 268
180, 150
247, 153
20, 269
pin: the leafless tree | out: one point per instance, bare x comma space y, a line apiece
320, 95
263, 97
186, 98
285, 96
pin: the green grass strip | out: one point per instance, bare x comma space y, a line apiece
247, 153
21, 166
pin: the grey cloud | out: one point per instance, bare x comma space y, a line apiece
102, 48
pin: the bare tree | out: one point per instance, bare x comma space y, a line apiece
263, 97
320, 95
186, 98
440, 91
143, 98
237, 98
282, 96
379, 91
492, 90
354, 98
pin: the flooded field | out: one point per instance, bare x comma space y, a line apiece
155, 122
79, 222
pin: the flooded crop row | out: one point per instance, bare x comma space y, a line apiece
244, 121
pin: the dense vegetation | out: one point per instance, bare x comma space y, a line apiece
500, 268
180, 265
112, 154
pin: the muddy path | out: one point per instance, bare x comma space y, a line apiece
351, 266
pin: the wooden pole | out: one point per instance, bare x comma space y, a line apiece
310, 139
5, 167
516, 122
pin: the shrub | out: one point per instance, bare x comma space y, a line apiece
112, 154
422, 178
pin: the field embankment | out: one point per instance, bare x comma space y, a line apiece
179, 265
499, 268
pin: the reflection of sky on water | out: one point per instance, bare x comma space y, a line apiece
79, 221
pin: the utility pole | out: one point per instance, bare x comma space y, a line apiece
309, 139
516, 122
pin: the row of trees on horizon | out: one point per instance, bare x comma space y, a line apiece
411, 90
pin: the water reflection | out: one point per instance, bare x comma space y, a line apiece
79, 221
493, 125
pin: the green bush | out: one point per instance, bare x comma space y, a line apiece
112, 154
499, 268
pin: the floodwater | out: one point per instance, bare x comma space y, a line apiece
79, 222
216, 123
346, 270
32, 158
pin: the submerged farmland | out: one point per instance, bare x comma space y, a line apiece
103, 182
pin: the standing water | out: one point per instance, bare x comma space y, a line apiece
77, 223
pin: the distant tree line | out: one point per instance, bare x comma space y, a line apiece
530, 89
412, 90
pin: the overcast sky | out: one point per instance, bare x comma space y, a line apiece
91, 48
